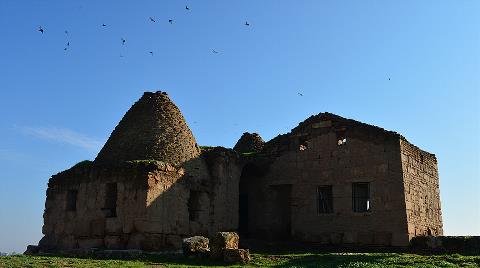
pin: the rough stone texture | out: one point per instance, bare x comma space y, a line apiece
422, 191
221, 241
249, 143
152, 205
328, 150
153, 128
236, 256
31, 250
195, 245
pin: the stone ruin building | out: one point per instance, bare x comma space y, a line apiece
331, 180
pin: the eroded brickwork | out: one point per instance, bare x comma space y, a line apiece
422, 191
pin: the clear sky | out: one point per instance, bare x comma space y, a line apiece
408, 66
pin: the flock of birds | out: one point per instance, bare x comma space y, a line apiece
153, 20
123, 40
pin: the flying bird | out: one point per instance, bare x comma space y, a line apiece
170, 21
66, 32
123, 41
300, 94
40, 29
214, 51
152, 19
187, 8
389, 79
247, 24
151, 53
68, 44
121, 56
65, 49
104, 25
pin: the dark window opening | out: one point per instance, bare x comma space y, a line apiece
110, 208
421, 158
303, 143
341, 136
325, 199
361, 197
194, 205
72, 200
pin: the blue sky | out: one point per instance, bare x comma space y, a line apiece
58, 107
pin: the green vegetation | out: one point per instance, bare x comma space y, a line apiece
247, 154
143, 161
348, 260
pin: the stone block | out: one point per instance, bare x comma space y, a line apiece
236, 256
97, 227
195, 246
173, 241
87, 243
32, 250
221, 241
113, 226
113, 242
135, 241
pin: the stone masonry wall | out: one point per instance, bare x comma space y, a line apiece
422, 192
311, 156
157, 204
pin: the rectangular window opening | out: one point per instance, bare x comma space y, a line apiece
194, 207
110, 200
361, 197
72, 200
325, 199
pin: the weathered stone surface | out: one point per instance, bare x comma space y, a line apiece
300, 186
196, 245
87, 243
249, 143
236, 256
153, 128
32, 250
221, 241
113, 242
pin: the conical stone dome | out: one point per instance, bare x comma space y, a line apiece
249, 142
153, 129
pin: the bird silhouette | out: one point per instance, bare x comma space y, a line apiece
187, 8
151, 53
40, 29
247, 24
170, 21
65, 49
389, 79
68, 44
300, 94
121, 56
123, 41
104, 25
214, 51
152, 19
66, 32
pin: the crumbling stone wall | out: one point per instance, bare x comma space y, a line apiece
153, 203
311, 156
422, 191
